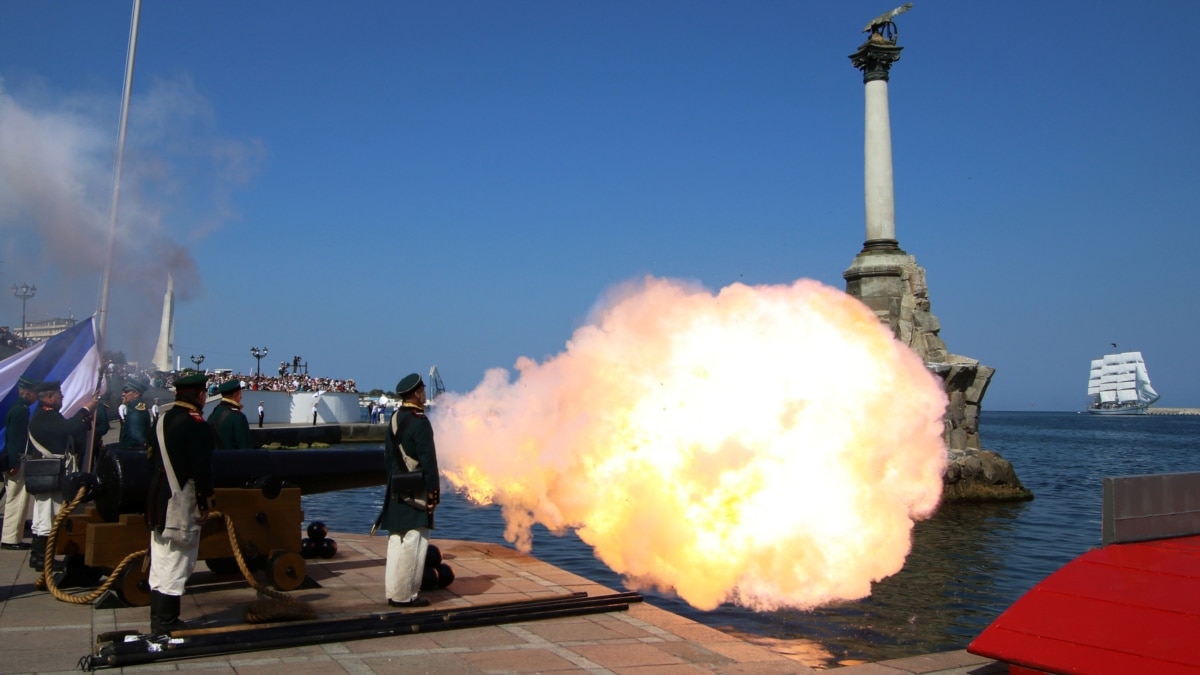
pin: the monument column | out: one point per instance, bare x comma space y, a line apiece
875, 62
875, 276
893, 285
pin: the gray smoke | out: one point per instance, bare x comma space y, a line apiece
57, 154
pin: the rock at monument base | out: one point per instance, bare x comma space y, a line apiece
975, 475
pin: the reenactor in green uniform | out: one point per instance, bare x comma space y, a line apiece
179, 499
227, 419
136, 431
408, 443
16, 446
55, 436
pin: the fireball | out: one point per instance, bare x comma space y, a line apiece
769, 446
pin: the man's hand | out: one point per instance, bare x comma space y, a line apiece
207, 506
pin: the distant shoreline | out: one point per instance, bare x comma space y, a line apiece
1151, 411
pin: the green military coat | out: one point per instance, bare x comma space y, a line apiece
59, 434
231, 427
190, 442
137, 428
16, 433
416, 434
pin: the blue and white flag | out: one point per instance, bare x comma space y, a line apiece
72, 357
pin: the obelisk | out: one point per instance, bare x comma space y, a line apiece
164, 352
875, 275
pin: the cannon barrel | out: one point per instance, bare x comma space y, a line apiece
124, 475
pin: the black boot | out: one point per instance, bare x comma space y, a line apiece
164, 614
37, 553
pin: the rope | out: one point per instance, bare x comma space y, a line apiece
262, 611
46, 580
292, 608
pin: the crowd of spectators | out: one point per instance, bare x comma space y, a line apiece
288, 382
12, 340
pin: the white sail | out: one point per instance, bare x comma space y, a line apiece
1145, 389
1094, 377
1120, 384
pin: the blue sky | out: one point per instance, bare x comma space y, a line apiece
384, 186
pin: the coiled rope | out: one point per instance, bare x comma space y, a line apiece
45, 580
285, 606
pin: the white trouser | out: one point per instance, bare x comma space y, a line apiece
171, 563
16, 503
45, 508
405, 564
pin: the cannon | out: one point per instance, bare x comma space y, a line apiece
259, 490
123, 475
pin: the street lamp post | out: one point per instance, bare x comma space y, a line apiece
197, 360
24, 292
258, 354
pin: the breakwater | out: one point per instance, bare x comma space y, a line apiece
294, 435
1173, 411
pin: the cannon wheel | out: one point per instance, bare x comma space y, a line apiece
134, 586
286, 570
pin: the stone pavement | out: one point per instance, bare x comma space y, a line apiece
45, 635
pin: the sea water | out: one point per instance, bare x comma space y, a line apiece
968, 563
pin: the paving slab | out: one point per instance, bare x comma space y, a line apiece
45, 635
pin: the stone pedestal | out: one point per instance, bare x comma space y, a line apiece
893, 285
877, 278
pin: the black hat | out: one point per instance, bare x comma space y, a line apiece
409, 384
133, 385
190, 378
47, 387
230, 386
27, 383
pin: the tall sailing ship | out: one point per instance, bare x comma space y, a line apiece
1120, 385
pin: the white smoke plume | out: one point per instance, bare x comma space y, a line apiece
770, 446
57, 154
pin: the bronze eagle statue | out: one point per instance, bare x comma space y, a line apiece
878, 23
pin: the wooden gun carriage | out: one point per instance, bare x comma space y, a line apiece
259, 490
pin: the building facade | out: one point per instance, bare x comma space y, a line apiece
47, 328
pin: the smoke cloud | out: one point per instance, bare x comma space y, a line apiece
770, 446
57, 155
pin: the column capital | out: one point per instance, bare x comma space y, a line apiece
875, 58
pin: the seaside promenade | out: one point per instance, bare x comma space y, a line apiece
45, 635
42, 634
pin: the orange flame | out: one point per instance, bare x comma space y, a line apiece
769, 446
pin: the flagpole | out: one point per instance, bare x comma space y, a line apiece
114, 206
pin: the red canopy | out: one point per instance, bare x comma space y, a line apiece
1122, 608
